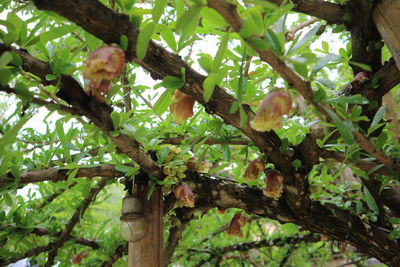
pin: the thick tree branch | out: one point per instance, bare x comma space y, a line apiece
364, 35
331, 12
56, 175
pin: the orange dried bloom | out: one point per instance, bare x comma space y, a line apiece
182, 107
274, 184
253, 169
78, 258
184, 195
237, 222
104, 63
270, 111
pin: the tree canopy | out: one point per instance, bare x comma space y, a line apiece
271, 127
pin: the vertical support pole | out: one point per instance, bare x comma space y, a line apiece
148, 251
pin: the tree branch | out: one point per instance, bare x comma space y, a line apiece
118, 253
259, 244
65, 234
290, 33
56, 175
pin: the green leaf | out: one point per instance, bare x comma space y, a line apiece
220, 53
123, 42
144, 39
5, 58
274, 42
345, 131
353, 99
57, 33
60, 131
307, 37
169, 38
322, 62
319, 96
227, 153
243, 117
10, 136
163, 102
172, 83
158, 9
370, 200
188, 21
361, 65
378, 116
8, 200
212, 19
209, 84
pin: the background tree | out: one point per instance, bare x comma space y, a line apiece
336, 154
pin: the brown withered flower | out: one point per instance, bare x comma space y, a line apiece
237, 222
184, 195
104, 63
270, 111
182, 107
274, 184
198, 166
253, 169
78, 258
356, 84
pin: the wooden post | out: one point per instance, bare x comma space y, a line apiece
148, 251
386, 17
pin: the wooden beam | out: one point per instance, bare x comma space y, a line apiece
386, 17
149, 250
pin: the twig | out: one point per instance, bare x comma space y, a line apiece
149, 105
54, 196
290, 33
78, 239
210, 141
65, 234
365, 144
118, 252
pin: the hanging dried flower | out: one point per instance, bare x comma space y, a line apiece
253, 169
270, 111
182, 107
356, 84
184, 195
198, 166
78, 258
237, 222
274, 184
104, 63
